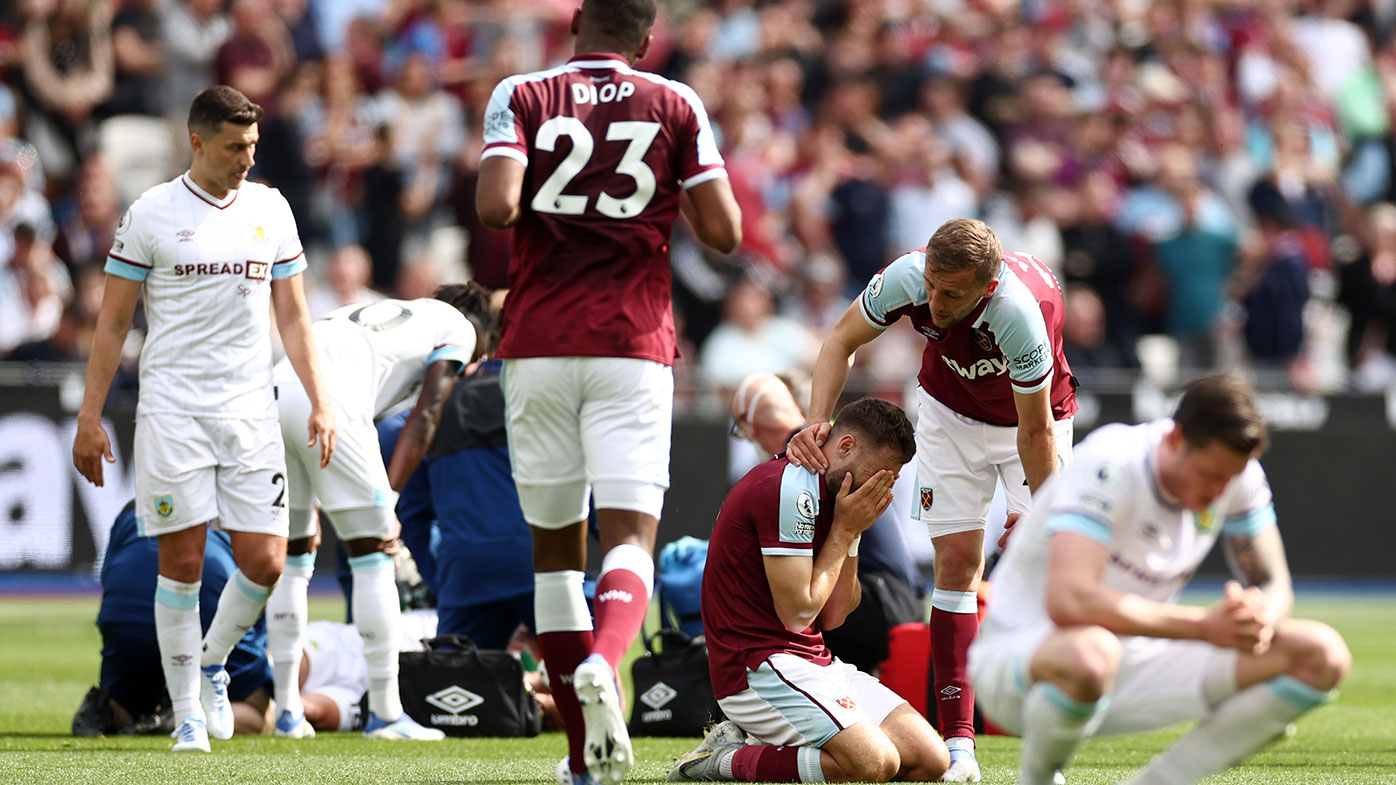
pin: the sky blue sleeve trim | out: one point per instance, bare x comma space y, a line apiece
301, 560
370, 561
1085, 525
450, 352
799, 505
252, 590
126, 270
1068, 705
1250, 523
1305, 696
173, 599
289, 267
384, 498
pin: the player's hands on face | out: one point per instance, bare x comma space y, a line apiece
322, 430
1008, 528
856, 510
803, 449
90, 447
1238, 620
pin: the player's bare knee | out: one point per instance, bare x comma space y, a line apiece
879, 762
926, 763
1090, 662
185, 566
1321, 657
264, 569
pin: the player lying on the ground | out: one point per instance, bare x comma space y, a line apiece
1084, 636
131, 695
782, 568
374, 357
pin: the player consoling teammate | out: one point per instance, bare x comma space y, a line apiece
1084, 636
214, 254
591, 162
995, 400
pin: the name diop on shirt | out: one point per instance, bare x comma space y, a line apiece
256, 271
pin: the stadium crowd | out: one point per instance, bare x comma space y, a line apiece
1215, 178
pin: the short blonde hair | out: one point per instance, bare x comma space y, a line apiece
965, 244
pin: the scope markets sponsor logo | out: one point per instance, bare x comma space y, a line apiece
657, 697
454, 699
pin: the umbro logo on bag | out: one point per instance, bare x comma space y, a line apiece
657, 697
455, 699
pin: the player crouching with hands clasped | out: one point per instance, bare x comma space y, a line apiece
1084, 637
782, 568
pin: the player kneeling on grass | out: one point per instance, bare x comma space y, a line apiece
374, 357
1084, 636
782, 568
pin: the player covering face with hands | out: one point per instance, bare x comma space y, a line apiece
213, 255
782, 569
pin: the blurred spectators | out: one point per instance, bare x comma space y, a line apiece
1213, 177
752, 339
346, 282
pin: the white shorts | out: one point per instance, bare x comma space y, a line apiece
228, 472
958, 462
356, 478
1161, 682
584, 426
336, 668
791, 702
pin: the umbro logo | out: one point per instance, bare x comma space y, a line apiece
951, 692
615, 595
454, 699
182, 659
657, 696
185, 235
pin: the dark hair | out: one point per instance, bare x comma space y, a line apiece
883, 423
965, 244
626, 22
1223, 409
221, 104
473, 300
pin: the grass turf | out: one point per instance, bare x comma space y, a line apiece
49, 657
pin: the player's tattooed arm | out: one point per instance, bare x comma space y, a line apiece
1259, 560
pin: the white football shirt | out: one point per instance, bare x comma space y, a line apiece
1110, 494
375, 355
207, 265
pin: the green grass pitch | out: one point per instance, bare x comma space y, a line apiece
49, 657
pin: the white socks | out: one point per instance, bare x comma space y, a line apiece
377, 615
1053, 723
1237, 727
239, 606
287, 616
178, 633
559, 602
